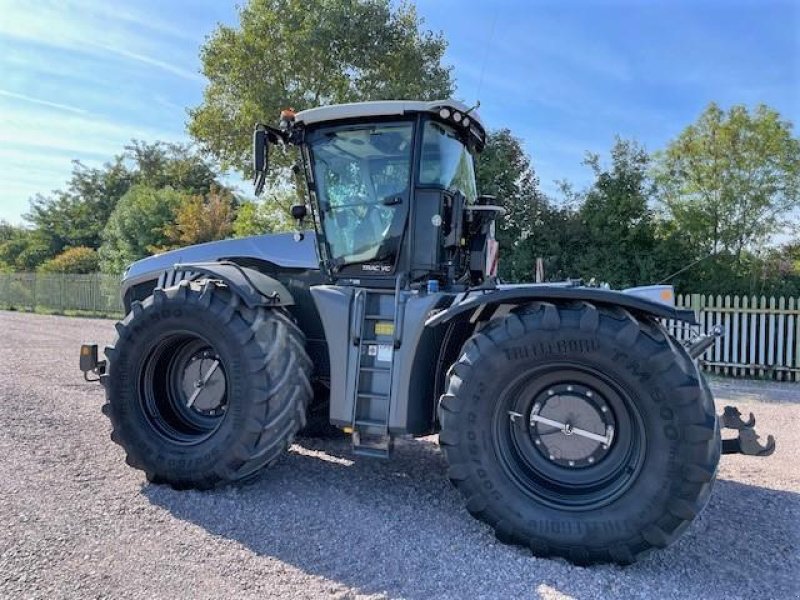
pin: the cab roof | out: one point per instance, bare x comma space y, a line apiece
382, 108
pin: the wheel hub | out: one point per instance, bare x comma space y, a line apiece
203, 383
571, 426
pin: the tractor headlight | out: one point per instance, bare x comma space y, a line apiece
444, 113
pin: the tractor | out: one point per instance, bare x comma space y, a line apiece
570, 419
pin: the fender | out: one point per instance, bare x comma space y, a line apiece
523, 294
254, 288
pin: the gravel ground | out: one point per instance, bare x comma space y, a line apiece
77, 522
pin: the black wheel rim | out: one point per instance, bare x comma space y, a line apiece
569, 436
183, 388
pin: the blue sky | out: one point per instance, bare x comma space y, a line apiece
80, 78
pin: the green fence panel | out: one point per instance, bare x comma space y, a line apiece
94, 293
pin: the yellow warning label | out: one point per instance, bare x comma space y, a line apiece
384, 328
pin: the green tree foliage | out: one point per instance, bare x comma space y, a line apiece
22, 249
730, 178
137, 226
623, 243
77, 215
201, 219
257, 218
307, 53
504, 170
162, 164
73, 260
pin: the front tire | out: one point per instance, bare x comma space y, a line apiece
580, 432
203, 391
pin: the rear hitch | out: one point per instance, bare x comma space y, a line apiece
698, 346
747, 441
90, 364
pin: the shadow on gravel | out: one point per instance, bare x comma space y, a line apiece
399, 528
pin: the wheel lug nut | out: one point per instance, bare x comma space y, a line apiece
552, 457
589, 394
572, 463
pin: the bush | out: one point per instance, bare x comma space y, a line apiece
73, 260
136, 227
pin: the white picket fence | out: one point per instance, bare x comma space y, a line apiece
762, 335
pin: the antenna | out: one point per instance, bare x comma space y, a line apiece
686, 268
485, 56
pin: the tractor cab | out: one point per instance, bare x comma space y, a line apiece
391, 189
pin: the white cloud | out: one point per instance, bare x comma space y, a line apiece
78, 134
37, 150
83, 27
32, 100
168, 67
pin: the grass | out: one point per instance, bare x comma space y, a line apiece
43, 310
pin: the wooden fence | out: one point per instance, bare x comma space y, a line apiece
762, 335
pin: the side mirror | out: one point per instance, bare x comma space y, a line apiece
299, 212
260, 158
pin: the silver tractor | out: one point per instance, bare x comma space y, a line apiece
571, 421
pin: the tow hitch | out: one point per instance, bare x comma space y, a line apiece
90, 364
747, 441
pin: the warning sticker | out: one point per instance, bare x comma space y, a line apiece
385, 352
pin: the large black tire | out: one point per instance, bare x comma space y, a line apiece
636, 493
257, 391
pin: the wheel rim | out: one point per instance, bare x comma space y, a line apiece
569, 437
183, 388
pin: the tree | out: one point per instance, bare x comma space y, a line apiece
73, 260
504, 170
23, 249
306, 53
136, 228
77, 215
201, 219
730, 178
162, 164
257, 218
619, 227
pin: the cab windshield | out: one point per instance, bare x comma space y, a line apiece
362, 175
446, 162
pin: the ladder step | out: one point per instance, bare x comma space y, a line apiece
373, 396
374, 369
379, 317
370, 423
371, 452
375, 446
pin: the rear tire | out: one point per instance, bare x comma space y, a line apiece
559, 492
203, 391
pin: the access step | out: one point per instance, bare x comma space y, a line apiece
373, 446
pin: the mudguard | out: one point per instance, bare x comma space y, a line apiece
254, 288
516, 295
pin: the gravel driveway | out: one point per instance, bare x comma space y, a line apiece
77, 522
